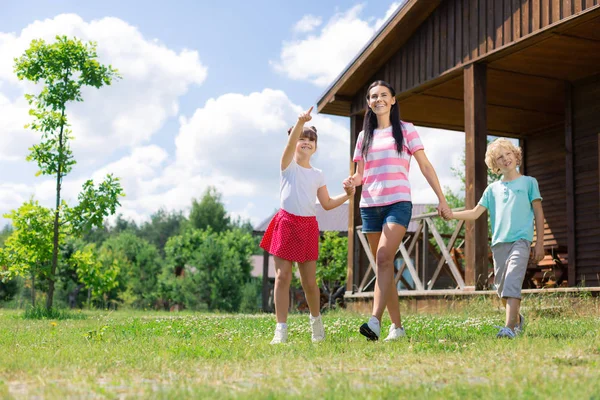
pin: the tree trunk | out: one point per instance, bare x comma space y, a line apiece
56, 216
73, 295
33, 289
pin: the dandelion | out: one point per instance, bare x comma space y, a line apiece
53, 324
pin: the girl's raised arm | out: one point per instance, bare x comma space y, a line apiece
290, 147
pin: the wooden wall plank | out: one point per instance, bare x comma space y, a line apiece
423, 54
444, 38
458, 54
556, 10
525, 18
516, 19
499, 22
434, 42
474, 29
507, 21
545, 6
536, 15
452, 37
490, 27
404, 82
482, 27
567, 8
465, 35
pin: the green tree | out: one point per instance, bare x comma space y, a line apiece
28, 250
97, 270
207, 268
5, 233
209, 212
141, 267
332, 265
64, 68
161, 227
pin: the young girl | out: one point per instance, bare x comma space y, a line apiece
383, 152
293, 233
513, 203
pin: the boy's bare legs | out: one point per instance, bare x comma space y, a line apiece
283, 279
513, 306
308, 277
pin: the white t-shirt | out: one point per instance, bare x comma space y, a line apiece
298, 189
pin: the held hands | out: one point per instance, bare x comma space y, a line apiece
350, 190
348, 182
305, 116
349, 187
444, 211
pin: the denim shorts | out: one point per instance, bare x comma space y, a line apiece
374, 218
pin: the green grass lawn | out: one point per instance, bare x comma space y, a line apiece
128, 354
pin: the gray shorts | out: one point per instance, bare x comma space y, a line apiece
510, 265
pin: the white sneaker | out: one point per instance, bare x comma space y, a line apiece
371, 329
395, 333
318, 330
280, 335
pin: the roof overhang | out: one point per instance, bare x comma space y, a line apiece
525, 80
388, 40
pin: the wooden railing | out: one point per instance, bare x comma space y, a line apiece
425, 227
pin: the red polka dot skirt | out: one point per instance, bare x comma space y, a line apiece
291, 237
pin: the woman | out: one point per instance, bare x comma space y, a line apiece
383, 152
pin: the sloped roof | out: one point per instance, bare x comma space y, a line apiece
392, 35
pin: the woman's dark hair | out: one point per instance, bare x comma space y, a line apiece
307, 132
370, 122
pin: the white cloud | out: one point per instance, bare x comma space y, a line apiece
233, 143
126, 114
444, 149
320, 58
307, 24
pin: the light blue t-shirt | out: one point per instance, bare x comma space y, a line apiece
510, 208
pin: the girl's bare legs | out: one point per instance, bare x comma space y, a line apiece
385, 289
308, 277
283, 279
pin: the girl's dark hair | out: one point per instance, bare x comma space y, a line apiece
307, 132
370, 122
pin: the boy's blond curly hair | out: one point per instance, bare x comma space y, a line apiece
495, 147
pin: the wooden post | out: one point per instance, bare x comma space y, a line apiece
570, 185
476, 236
355, 256
425, 249
265, 282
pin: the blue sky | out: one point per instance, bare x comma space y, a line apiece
208, 91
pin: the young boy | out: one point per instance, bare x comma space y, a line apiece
513, 203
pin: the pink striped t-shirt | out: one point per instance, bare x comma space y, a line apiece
385, 176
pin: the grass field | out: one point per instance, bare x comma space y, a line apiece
128, 354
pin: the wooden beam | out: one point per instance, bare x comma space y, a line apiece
355, 256
570, 185
476, 236
265, 282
